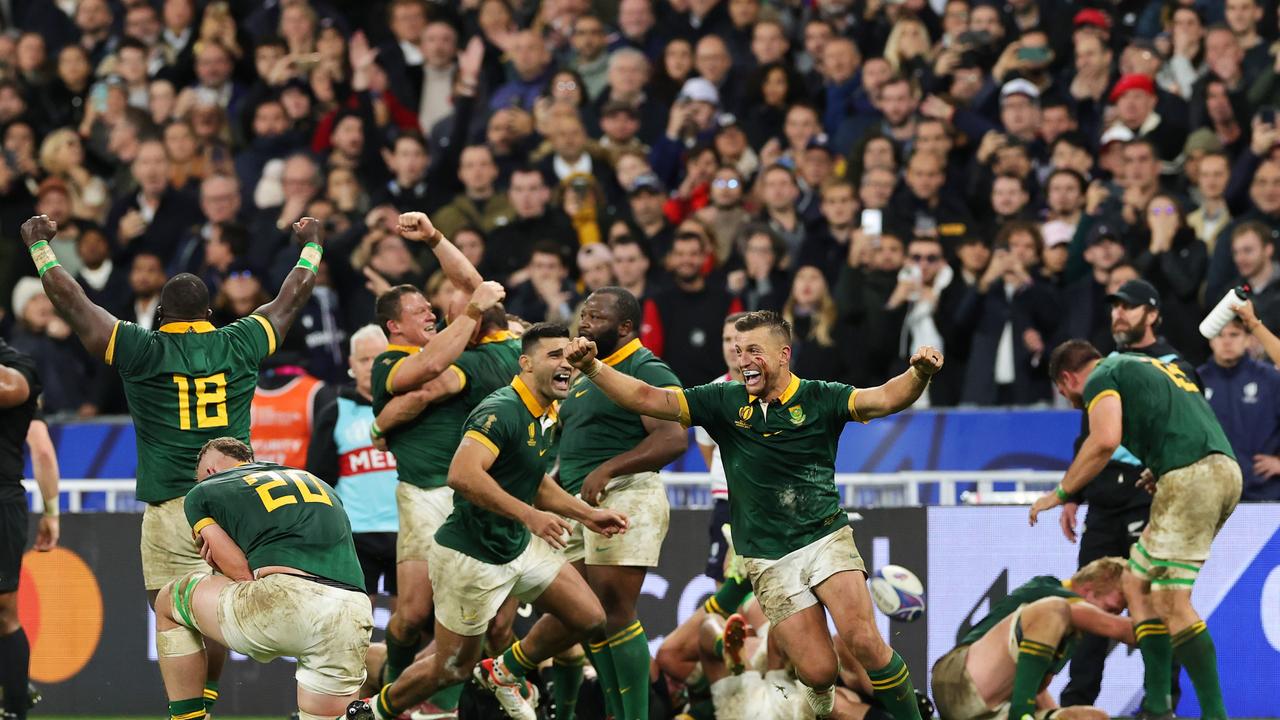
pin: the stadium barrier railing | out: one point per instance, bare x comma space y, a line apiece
692, 490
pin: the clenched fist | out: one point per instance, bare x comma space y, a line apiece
580, 353
415, 226
927, 361
307, 230
489, 293
37, 229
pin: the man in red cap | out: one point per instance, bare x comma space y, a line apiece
1134, 97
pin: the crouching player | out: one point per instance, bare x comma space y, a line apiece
290, 585
1001, 667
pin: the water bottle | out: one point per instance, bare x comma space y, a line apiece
1223, 312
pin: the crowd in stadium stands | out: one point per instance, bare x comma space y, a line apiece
969, 174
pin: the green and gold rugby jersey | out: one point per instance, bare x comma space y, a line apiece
187, 383
515, 428
595, 428
279, 516
779, 459
424, 446
1167, 422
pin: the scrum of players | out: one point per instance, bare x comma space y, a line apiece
528, 472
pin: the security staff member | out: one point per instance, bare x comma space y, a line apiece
1118, 510
19, 392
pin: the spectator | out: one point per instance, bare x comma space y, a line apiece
694, 190
281, 206
1253, 251
146, 278
726, 214
1208, 193
103, 281
479, 205
535, 221
712, 61
778, 195
681, 320
151, 221
867, 279
629, 71
589, 58
1245, 396
631, 266
827, 240
918, 207
1264, 208
647, 197
219, 203
54, 199
819, 341
530, 65
620, 124
771, 94
1017, 316
761, 284
548, 294
402, 57
43, 335
1175, 262
62, 156
1064, 196
439, 47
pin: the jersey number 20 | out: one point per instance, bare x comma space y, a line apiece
301, 480
211, 401
1175, 374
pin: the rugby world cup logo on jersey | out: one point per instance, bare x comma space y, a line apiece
744, 415
533, 433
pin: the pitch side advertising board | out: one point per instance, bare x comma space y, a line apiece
87, 616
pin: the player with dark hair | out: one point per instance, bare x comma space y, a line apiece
508, 516
288, 583
1158, 413
421, 404
778, 436
611, 458
186, 383
1000, 667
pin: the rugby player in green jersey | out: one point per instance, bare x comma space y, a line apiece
777, 436
611, 458
186, 383
501, 539
1158, 414
289, 583
419, 367
999, 669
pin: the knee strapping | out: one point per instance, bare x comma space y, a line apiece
183, 590
178, 642
1163, 574
823, 701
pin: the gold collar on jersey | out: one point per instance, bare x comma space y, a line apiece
200, 326
623, 353
787, 394
530, 402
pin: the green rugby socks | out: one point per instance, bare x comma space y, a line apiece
728, 598
1194, 649
400, 655
190, 709
893, 688
1157, 658
630, 650
602, 660
566, 682
1034, 660
210, 695
448, 698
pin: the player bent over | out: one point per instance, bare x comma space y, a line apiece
487, 549
778, 436
1160, 416
290, 586
1001, 666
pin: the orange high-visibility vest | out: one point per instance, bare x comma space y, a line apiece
280, 421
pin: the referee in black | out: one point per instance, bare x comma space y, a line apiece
19, 392
1118, 509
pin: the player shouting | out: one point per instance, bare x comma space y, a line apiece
778, 436
1154, 410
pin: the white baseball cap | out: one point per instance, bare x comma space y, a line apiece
1057, 232
1020, 86
700, 90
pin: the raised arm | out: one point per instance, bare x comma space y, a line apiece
1270, 343
222, 553
44, 465
92, 324
301, 280
403, 408
901, 392
417, 227
628, 393
445, 347
469, 476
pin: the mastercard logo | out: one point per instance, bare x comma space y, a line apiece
60, 607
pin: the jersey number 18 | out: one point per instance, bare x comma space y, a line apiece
210, 400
